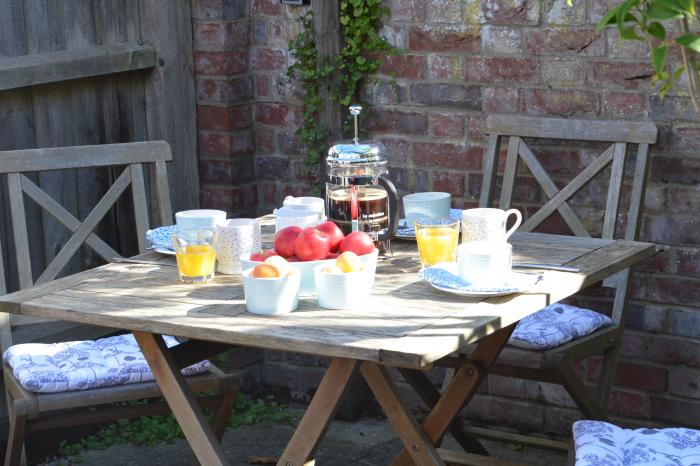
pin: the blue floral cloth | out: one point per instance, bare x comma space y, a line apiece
555, 325
161, 237
602, 444
81, 365
408, 230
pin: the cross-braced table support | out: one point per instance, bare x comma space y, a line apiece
420, 441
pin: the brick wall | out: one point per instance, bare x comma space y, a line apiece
462, 60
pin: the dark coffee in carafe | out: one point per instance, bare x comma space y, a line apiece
372, 209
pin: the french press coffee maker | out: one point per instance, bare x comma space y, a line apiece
358, 196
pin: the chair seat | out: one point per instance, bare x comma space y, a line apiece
555, 325
600, 443
83, 365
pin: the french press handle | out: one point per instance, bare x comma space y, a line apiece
393, 197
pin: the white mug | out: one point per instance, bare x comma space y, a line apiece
485, 264
315, 204
488, 224
426, 205
236, 237
288, 217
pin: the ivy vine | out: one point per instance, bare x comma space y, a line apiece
360, 22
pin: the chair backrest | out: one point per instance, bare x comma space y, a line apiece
15, 164
617, 133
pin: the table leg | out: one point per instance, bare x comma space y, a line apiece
417, 443
319, 414
461, 389
181, 400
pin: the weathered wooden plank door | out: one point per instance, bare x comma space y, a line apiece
76, 72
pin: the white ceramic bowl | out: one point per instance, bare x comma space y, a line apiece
308, 283
271, 296
342, 290
200, 218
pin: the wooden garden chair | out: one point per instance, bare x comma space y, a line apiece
556, 365
30, 411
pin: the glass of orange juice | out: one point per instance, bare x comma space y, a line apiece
195, 250
437, 240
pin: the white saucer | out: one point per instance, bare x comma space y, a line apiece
517, 282
168, 252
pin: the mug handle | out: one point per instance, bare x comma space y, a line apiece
518, 221
393, 208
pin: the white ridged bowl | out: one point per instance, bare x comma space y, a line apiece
308, 282
342, 290
271, 296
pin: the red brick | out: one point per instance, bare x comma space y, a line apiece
667, 289
403, 66
627, 404
223, 118
445, 67
447, 155
235, 171
221, 36
499, 99
511, 11
447, 95
263, 87
610, 74
563, 73
506, 412
444, 39
675, 170
629, 105
406, 10
684, 382
230, 199
475, 128
564, 41
272, 114
672, 108
225, 10
267, 7
398, 149
688, 261
512, 387
222, 145
452, 183
686, 139
225, 91
264, 59
272, 167
675, 411
264, 139
661, 348
450, 125
386, 121
228, 62
682, 199
671, 229
560, 102
640, 376
502, 69
269, 194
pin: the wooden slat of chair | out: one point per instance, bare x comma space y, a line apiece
554, 366
29, 411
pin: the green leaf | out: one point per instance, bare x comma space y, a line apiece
658, 58
660, 12
629, 33
657, 30
691, 41
609, 18
678, 73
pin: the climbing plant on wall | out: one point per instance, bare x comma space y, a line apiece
360, 21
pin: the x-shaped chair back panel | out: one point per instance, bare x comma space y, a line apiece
617, 133
132, 155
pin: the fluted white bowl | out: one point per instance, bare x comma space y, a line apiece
308, 282
342, 290
271, 296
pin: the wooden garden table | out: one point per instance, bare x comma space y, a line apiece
407, 324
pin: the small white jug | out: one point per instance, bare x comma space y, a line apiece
315, 204
488, 224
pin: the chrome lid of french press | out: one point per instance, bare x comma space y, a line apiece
356, 151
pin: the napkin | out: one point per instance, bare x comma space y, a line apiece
406, 230
161, 237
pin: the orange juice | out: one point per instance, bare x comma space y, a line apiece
196, 260
437, 244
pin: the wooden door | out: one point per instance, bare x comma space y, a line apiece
76, 72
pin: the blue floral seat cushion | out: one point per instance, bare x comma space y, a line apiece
82, 365
601, 444
555, 325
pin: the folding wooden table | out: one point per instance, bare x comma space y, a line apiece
406, 324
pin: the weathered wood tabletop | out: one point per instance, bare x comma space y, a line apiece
406, 323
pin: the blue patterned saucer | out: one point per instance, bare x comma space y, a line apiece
161, 239
444, 277
405, 231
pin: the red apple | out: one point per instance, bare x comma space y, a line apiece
285, 239
332, 255
257, 257
312, 245
334, 232
268, 253
358, 242
293, 259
